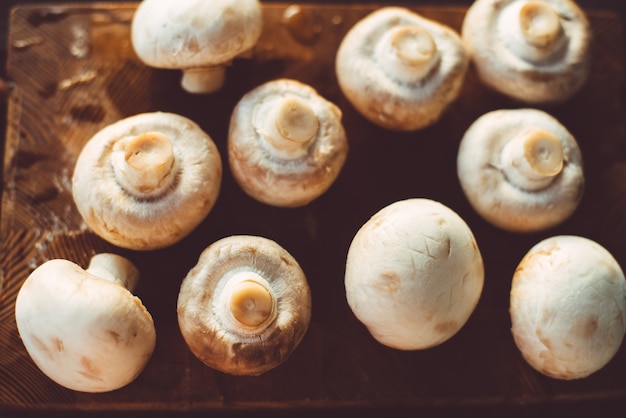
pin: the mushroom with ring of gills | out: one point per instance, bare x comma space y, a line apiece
146, 181
245, 306
84, 329
200, 37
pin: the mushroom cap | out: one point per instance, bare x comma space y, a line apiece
213, 337
501, 202
194, 33
568, 307
490, 37
84, 332
414, 274
270, 177
382, 98
137, 222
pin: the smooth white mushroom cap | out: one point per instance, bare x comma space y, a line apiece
399, 69
273, 168
534, 51
414, 274
145, 220
85, 332
568, 307
496, 189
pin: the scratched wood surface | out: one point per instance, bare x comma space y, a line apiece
73, 71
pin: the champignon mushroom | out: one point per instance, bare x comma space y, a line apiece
245, 306
145, 182
568, 307
534, 51
84, 328
521, 169
399, 69
286, 144
198, 36
414, 274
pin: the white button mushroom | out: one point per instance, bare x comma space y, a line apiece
401, 70
414, 274
534, 51
568, 307
520, 169
147, 181
200, 37
245, 306
83, 328
286, 144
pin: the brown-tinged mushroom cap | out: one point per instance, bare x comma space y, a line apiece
399, 69
147, 181
286, 144
245, 306
83, 328
198, 36
414, 274
568, 307
534, 51
521, 169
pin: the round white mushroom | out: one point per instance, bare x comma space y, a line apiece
399, 69
414, 274
521, 169
147, 181
286, 144
198, 36
245, 306
534, 51
84, 328
568, 307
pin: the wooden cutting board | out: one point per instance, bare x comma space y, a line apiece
73, 71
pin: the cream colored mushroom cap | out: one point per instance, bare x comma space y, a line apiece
84, 332
414, 274
568, 307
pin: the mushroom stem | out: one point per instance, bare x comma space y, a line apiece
114, 268
203, 80
539, 23
248, 300
407, 53
144, 165
533, 158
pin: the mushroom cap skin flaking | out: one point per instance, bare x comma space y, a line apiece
83, 331
400, 70
535, 52
510, 200
107, 181
568, 307
287, 167
414, 274
245, 306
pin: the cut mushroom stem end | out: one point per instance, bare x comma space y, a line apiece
203, 80
114, 268
290, 126
539, 23
248, 298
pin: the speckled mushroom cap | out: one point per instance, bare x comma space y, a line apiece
399, 69
146, 181
536, 52
245, 306
286, 143
568, 307
494, 168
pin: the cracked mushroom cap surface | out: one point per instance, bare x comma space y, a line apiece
534, 51
521, 169
286, 143
245, 306
146, 181
568, 307
414, 274
399, 69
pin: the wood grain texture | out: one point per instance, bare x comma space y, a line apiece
74, 72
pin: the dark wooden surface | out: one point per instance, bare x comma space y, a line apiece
338, 366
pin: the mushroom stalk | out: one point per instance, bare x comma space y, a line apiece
203, 80
144, 165
114, 268
539, 24
532, 159
247, 301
